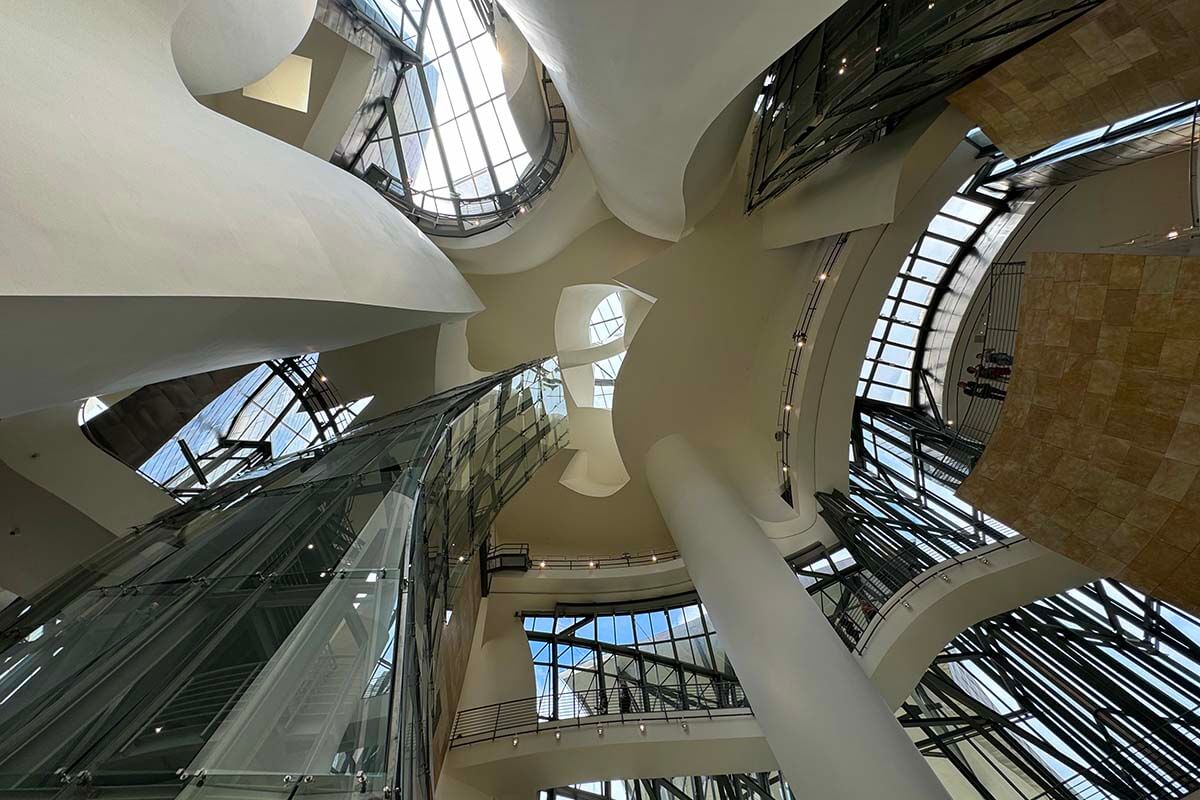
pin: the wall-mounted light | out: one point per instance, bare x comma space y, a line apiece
642, 727
557, 736
516, 741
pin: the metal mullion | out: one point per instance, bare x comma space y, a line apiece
462, 76
435, 126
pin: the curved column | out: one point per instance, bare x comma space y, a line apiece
827, 725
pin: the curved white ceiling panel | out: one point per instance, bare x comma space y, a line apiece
222, 45
144, 237
643, 81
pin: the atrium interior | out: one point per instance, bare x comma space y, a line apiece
622, 400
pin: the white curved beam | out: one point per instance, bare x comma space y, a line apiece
642, 83
150, 238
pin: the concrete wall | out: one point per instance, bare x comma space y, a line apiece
40, 535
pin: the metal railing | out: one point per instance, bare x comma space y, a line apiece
976, 422
796, 350
625, 703
1178, 778
516, 557
473, 215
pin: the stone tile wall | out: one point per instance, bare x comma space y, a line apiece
1121, 59
1097, 453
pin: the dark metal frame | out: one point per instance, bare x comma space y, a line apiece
871, 64
515, 556
472, 215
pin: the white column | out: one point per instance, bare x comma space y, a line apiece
827, 725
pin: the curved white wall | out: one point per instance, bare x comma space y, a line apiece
903, 641
146, 237
643, 82
220, 45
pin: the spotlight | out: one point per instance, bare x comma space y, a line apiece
642, 727
558, 736
515, 741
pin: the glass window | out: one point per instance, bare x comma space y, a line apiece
604, 374
607, 321
931, 263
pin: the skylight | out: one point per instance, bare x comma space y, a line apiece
887, 369
605, 376
607, 321
462, 164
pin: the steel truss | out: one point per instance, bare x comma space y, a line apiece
868, 66
1101, 683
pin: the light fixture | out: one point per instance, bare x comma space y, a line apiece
787, 406
542, 565
591, 565
323, 574
842, 71
1173, 234
515, 741
949, 422
684, 726
557, 736
877, 49
642, 727
785, 467
158, 729
600, 731
324, 379
461, 559
654, 558
311, 546
823, 276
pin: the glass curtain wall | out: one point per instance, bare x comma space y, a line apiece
276, 409
1090, 693
281, 630
758, 786
449, 152
628, 659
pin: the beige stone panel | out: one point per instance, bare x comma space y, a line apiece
1099, 459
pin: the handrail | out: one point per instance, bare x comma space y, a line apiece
799, 340
503, 557
1083, 787
474, 215
624, 703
